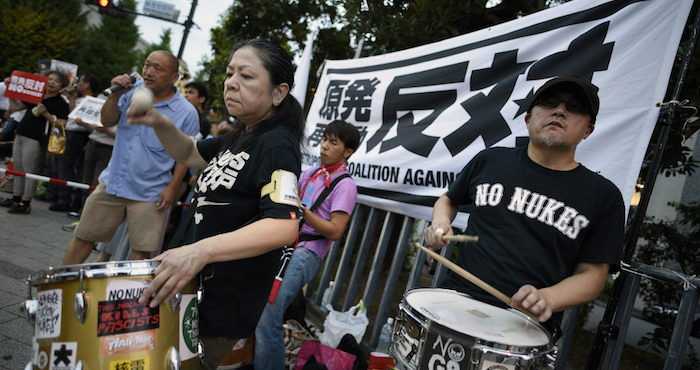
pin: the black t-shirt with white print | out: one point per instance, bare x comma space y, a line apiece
534, 224
37, 127
228, 196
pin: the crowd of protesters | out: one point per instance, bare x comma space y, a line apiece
24, 132
141, 163
243, 215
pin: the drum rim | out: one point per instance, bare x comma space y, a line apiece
518, 349
93, 270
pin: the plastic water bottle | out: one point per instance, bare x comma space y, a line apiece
326, 299
385, 336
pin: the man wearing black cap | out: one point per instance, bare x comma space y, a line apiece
549, 229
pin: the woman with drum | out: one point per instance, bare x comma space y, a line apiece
246, 197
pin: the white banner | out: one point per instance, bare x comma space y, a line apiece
425, 112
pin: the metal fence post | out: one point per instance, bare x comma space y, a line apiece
365, 245
378, 261
392, 279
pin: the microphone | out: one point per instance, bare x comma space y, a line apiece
114, 88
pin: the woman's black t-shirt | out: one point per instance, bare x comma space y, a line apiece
228, 194
36, 127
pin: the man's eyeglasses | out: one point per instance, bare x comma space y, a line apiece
572, 105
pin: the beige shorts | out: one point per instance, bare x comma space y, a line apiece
103, 213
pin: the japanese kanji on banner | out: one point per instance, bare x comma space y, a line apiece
425, 112
26, 87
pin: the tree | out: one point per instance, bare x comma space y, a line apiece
164, 44
108, 50
388, 26
674, 245
38, 29
284, 22
385, 26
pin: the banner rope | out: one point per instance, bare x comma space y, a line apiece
72, 184
686, 281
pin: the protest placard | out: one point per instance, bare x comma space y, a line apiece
26, 87
88, 110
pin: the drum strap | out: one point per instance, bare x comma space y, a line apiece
184, 224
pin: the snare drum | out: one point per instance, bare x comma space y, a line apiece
445, 329
87, 317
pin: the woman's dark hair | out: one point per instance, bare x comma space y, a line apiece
60, 75
289, 113
94, 82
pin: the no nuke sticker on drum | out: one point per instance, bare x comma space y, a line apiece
123, 325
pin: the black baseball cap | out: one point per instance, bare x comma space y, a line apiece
580, 87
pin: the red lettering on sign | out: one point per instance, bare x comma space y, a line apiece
125, 316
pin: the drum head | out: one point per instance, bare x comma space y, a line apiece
477, 319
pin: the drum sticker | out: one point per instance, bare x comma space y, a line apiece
43, 360
189, 326
63, 355
130, 342
125, 316
445, 353
408, 345
48, 313
490, 365
125, 289
130, 364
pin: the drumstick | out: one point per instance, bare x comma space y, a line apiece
461, 238
469, 276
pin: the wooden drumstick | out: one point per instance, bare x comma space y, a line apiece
469, 276
461, 238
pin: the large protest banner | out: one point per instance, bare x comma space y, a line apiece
425, 112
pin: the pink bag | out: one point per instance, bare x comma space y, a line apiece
332, 358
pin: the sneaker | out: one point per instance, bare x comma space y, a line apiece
20, 208
70, 227
74, 214
58, 208
7, 202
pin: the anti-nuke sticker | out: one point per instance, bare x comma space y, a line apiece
121, 289
129, 342
63, 355
130, 364
189, 326
48, 313
125, 316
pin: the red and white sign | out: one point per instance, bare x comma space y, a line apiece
26, 87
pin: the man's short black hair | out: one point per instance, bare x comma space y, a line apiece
94, 82
345, 132
202, 90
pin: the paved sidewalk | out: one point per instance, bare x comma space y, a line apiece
28, 243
